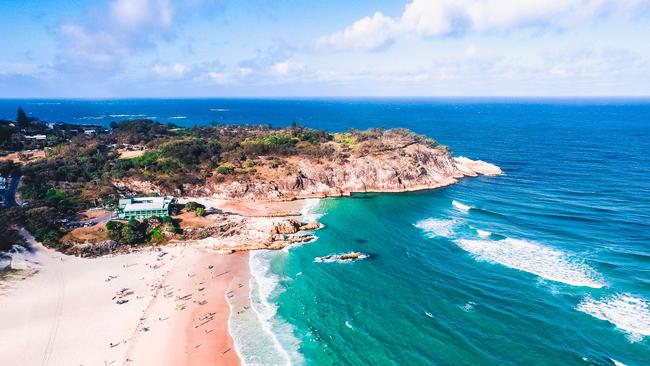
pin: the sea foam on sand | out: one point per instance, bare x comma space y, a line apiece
528, 256
280, 347
628, 313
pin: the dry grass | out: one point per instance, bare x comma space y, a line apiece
27, 156
92, 214
130, 154
190, 220
91, 234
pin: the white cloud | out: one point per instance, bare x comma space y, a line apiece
470, 51
176, 71
101, 44
220, 78
134, 14
439, 18
286, 67
366, 33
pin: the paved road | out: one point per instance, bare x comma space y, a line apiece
10, 193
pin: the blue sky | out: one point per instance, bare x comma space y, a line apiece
213, 48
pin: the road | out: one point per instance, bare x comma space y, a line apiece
10, 193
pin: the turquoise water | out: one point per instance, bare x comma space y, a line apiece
548, 264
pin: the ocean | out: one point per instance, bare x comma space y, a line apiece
548, 264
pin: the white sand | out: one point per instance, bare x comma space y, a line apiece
64, 315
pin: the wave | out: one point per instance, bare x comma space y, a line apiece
483, 233
44, 103
219, 109
178, 117
549, 263
438, 227
126, 115
628, 313
348, 324
468, 307
309, 210
461, 206
279, 346
91, 117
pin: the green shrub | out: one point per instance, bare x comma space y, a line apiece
226, 168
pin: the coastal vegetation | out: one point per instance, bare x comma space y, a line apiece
80, 169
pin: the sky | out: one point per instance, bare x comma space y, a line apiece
291, 48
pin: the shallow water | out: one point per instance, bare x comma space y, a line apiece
547, 264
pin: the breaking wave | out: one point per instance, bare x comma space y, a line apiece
546, 262
461, 206
126, 115
282, 346
178, 117
437, 227
628, 313
483, 233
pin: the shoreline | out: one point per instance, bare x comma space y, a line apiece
181, 300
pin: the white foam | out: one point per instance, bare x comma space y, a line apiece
549, 263
628, 313
310, 210
617, 363
126, 115
347, 324
460, 206
219, 109
483, 233
336, 258
469, 306
264, 285
428, 314
92, 117
178, 117
437, 227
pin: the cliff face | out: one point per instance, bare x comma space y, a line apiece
394, 162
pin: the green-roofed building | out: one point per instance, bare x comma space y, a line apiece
144, 207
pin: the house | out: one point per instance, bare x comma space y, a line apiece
144, 207
36, 137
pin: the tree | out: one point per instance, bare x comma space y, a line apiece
21, 119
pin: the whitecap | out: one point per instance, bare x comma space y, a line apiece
469, 306
461, 206
428, 314
347, 324
437, 227
483, 233
549, 263
92, 117
617, 363
126, 115
178, 117
627, 312
219, 109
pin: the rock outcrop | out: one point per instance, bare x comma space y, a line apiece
396, 161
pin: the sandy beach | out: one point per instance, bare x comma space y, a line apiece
175, 301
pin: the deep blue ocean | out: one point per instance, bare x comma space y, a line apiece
548, 264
